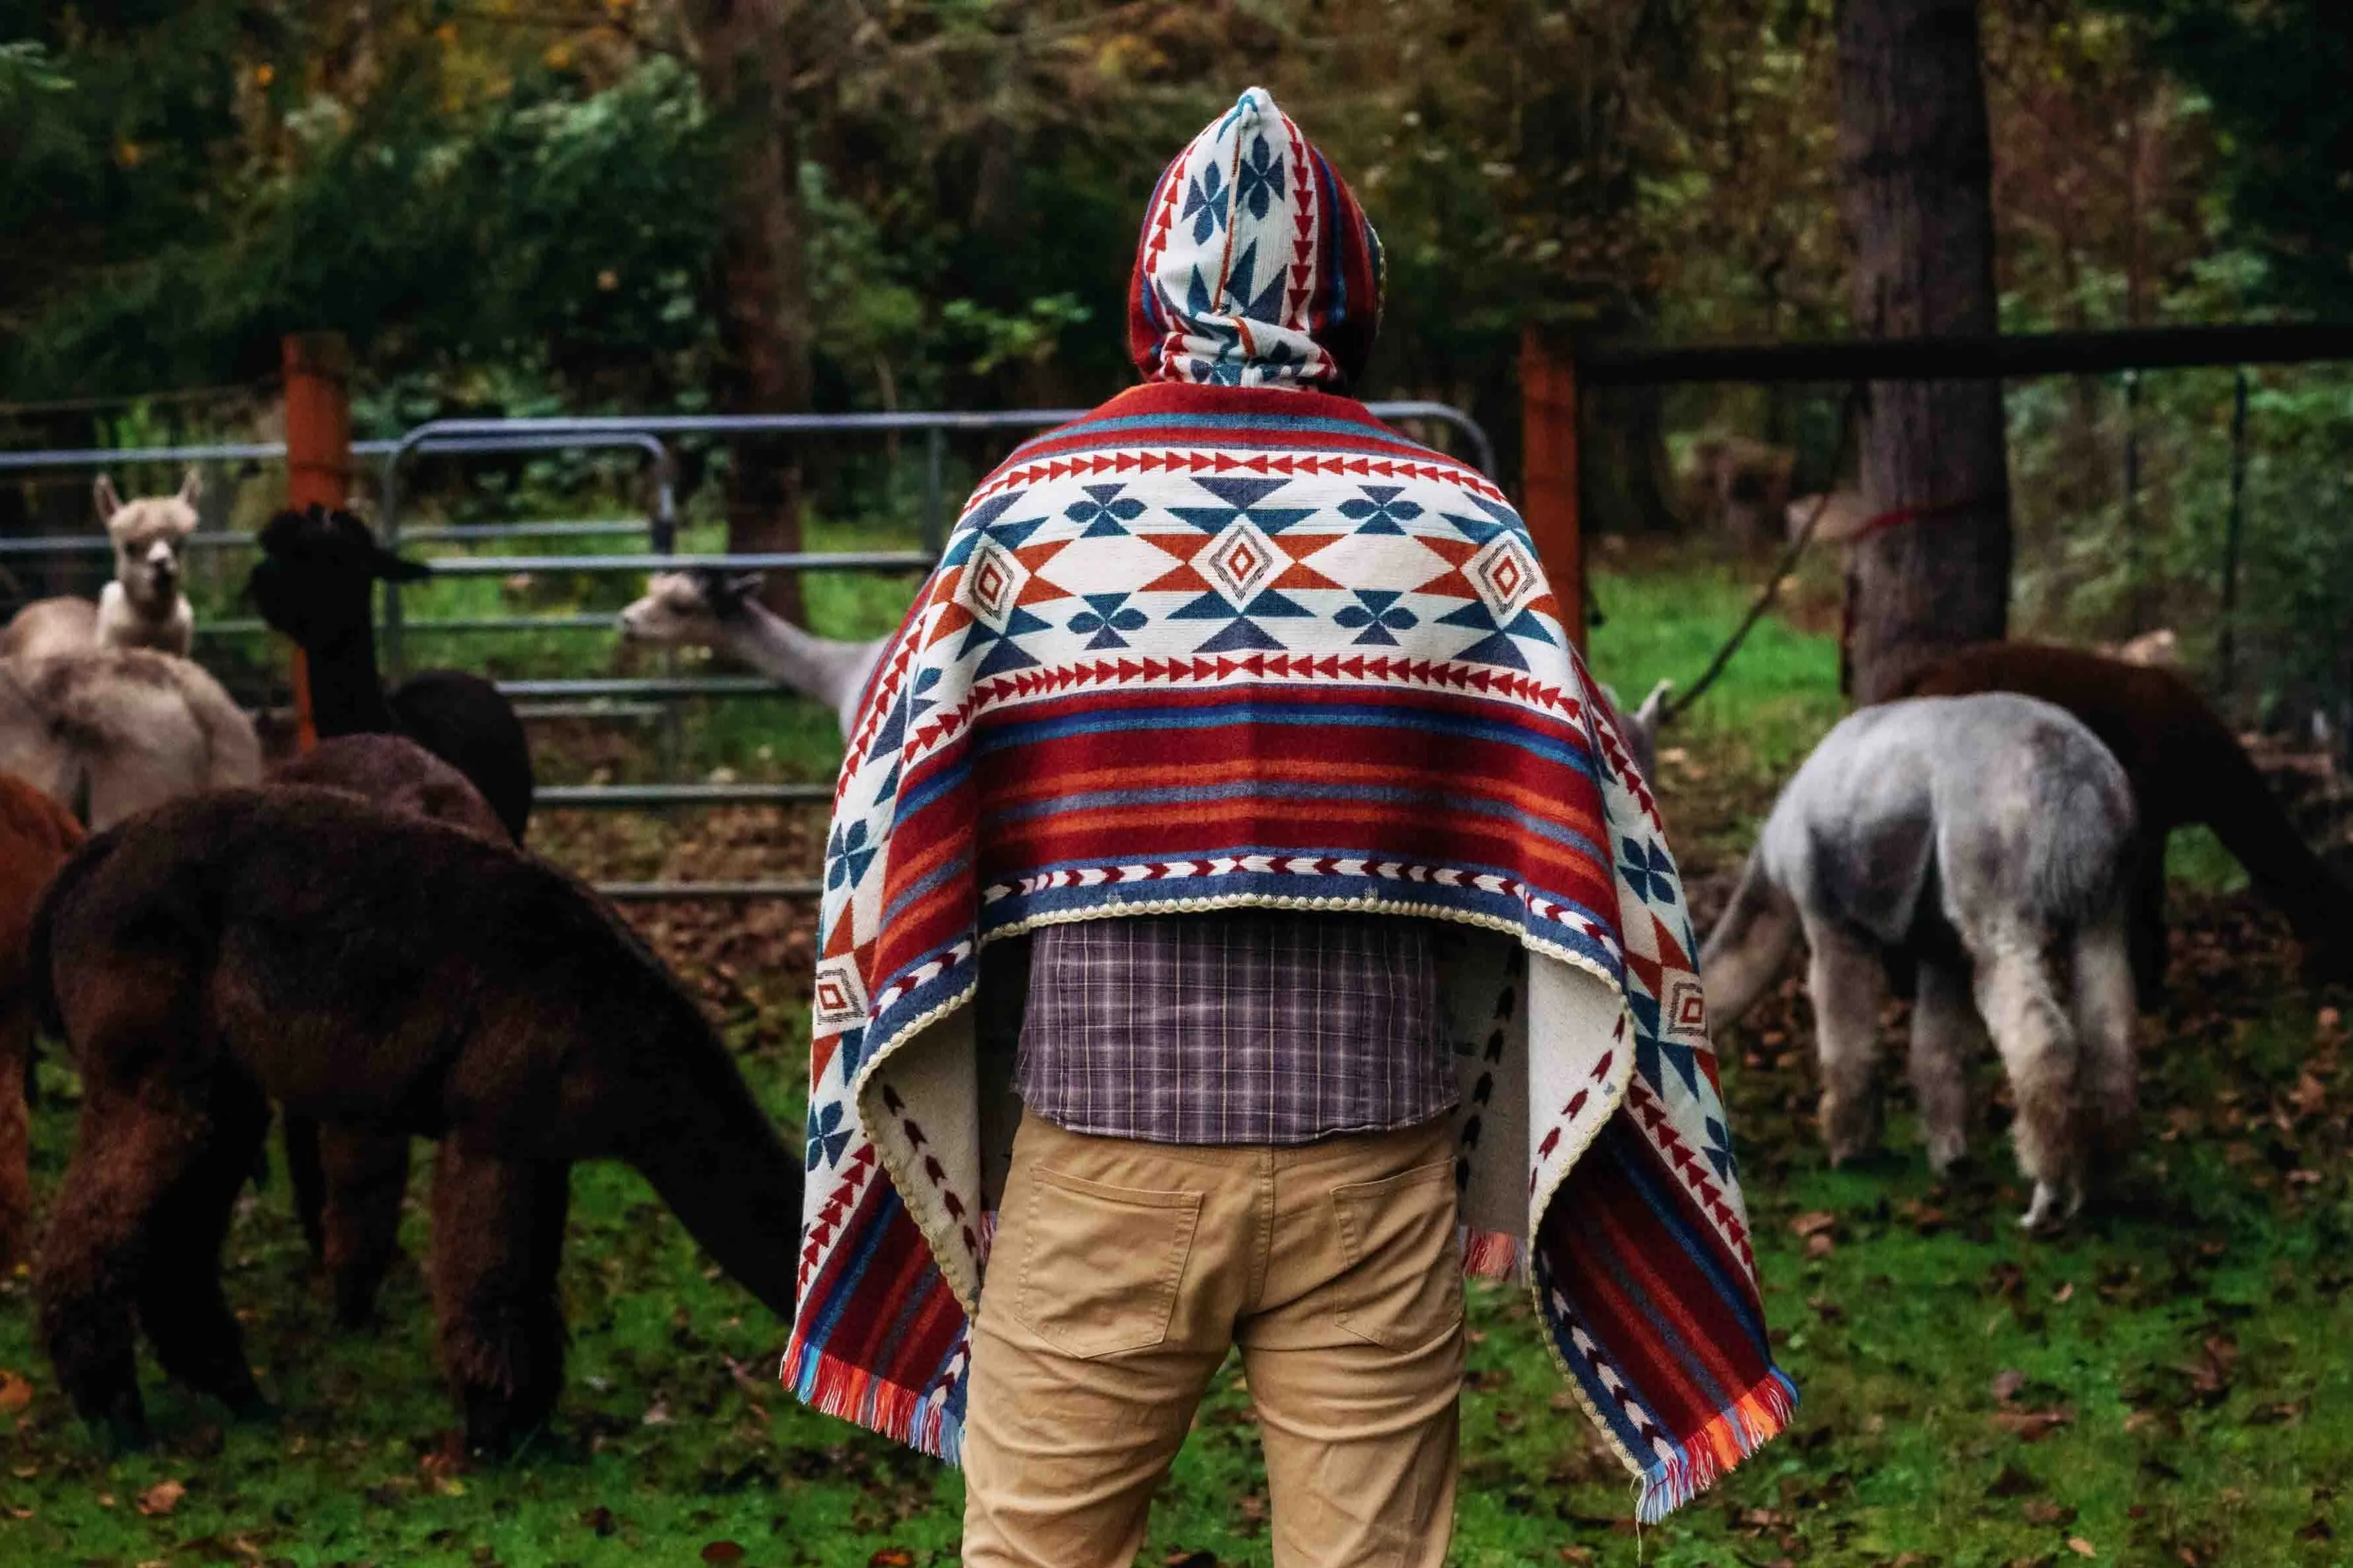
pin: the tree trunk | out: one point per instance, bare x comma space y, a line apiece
765, 321
1917, 168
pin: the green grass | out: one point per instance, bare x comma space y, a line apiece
2171, 1384
1728, 754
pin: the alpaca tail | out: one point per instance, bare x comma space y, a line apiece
85, 862
1748, 944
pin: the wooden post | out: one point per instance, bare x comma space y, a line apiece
317, 457
1548, 474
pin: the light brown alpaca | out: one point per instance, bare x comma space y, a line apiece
124, 729
36, 836
143, 606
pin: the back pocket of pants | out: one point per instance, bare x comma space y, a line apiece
1404, 1283
1101, 1265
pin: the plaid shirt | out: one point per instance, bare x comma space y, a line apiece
1246, 1027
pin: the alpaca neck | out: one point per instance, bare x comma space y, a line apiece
126, 621
772, 644
714, 1157
346, 695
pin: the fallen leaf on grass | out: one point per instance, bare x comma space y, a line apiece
891, 1557
1813, 1221
2006, 1385
160, 1499
2081, 1547
2031, 1425
16, 1393
2042, 1511
1819, 1244
723, 1552
1577, 1555
658, 1414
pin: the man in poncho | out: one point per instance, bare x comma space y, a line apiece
1358, 955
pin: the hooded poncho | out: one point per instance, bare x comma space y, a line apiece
1228, 640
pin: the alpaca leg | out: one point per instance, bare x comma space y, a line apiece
2036, 1041
181, 1306
366, 1178
1843, 981
308, 1179
1946, 1035
496, 1236
15, 1131
128, 1151
2105, 1017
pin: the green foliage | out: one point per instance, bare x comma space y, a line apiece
2273, 74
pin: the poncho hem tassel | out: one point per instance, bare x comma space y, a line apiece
836, 1387
1753, 1420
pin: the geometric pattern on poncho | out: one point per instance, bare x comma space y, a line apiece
1358, 630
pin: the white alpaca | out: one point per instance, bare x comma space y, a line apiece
122, 729
1987, 842
143, 606
709, 608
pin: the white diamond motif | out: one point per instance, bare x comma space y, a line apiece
993, 581
839, 999
1241, 560
1504, 576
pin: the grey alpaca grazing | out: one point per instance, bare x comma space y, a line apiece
143, 606
710, 608
1988, 840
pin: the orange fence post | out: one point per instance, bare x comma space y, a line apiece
317, 457
1548, 501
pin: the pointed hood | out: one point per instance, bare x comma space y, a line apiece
1257, 267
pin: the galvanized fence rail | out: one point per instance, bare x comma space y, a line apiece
613, 697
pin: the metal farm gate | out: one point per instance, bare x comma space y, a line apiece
600, 696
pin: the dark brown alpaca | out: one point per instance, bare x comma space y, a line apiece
36, 836
353, 1178
365, 969
2185, 767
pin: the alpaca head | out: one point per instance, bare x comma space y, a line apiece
1640, 727
147, 533
317, 575
682, 608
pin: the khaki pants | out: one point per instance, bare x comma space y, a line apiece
1122, 1274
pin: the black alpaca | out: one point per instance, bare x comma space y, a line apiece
316, 583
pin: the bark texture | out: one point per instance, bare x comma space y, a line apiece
1917, 169
766, 319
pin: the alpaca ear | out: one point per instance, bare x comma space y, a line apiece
109, 503
192, 485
